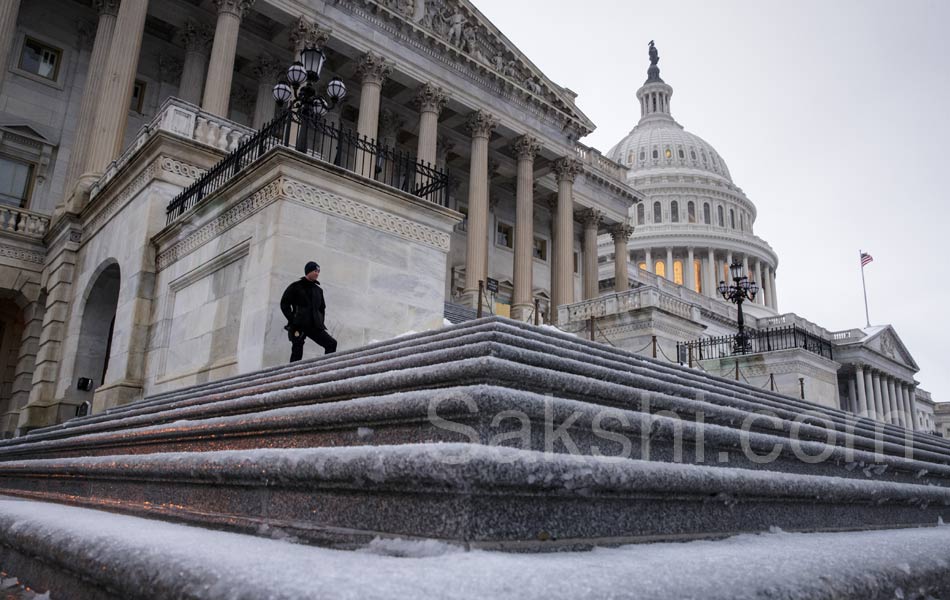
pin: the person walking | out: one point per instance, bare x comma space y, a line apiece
305, 309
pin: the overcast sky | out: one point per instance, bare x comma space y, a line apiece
832, 115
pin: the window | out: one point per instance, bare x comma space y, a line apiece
16, 182
707, 219
39, 59
678, 272
732, 218
674, 212
697, 276
642, 266
692, 154
656, 153
659, 268
657, 213
691, 211
682, 156
643, 155
640, 216
668, 153
540, 250
503, 235
138, 95
722, 221
576, 261
742, 221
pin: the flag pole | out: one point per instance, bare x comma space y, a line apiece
864, 285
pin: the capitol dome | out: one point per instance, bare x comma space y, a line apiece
695, 221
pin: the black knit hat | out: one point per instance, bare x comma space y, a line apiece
311, 266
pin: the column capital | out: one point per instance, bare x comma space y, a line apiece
590, 217
307, 34
527, 147
169, 68
267, 68
106, 7
373, 68
620, 232
481, 124
85, 35
238, 8
566, 169
197, 37
430, 98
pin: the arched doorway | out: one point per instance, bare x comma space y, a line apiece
95, 333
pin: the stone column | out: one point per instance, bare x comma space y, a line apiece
852, 406
745, 265
118, 78
551, 204
711, 280
869, 388
905, 398
773, 288
197, 39
108, 11
8, 14
859, 382
621, 235
760, 299
591, 219
566, 170
878, 397
481, 125
217, 91
895, 403
267, 70
649, 260
886, 400
431, 100
689, 273
913, 406
372, 72
526, 148
669, 264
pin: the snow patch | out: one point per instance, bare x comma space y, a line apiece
409, 548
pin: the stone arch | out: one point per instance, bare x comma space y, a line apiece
98, 304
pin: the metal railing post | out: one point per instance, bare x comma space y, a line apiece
481, 292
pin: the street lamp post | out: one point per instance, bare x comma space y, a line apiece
297, 91
741, 290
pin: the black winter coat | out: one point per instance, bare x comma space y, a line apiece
304, 306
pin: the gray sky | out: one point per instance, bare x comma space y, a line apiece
833, 116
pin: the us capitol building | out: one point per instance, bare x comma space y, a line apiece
155, 201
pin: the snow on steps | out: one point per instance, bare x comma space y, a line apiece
483, 497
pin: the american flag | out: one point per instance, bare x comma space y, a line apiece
865, 259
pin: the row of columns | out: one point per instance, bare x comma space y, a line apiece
876, 395
713, 268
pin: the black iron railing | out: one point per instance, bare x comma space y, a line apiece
766, 340
321, 140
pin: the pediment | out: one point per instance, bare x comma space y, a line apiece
26, 131
887, 343
462, 27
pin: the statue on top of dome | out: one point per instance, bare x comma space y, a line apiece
653, 73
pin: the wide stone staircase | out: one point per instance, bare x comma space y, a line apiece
488, 434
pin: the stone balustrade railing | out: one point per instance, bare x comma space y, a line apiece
621, 302
183, 119
593, 158
849, 335
793, 319
23, 222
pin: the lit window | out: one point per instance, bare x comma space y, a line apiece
640, 215
668, 153
659, 268
657, 213
39, 59
540, 248
674, 212
503, 236
138, 95
678, 272
642, 266
691, 212
697, 276
16, 182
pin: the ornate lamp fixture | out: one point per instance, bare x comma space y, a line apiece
741, 290
296, 89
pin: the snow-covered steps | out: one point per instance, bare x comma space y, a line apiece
80, 553
494, 415
469, 494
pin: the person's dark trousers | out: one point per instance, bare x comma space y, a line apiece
321, 337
